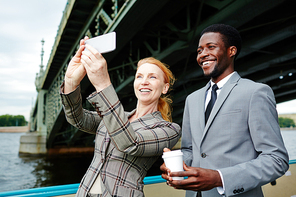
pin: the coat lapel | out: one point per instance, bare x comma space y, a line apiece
225, 91
109, 146
202, 101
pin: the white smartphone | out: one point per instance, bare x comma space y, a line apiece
103, 43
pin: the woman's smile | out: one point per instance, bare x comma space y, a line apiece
149, 84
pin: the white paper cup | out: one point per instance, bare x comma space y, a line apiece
174, 161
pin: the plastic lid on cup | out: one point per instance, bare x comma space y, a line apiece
172, 153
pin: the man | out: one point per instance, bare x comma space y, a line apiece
239, 148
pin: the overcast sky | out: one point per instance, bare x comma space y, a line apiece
23, 24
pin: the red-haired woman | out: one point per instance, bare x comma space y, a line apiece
127, 143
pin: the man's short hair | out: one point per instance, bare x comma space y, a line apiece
231, 36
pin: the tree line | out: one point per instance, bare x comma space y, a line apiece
11, 120
286, 122
19, 120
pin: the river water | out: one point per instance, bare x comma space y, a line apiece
18, 172
24, 172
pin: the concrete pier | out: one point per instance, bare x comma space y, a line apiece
33, 143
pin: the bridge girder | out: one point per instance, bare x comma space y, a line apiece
169, 30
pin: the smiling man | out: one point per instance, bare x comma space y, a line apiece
234, 146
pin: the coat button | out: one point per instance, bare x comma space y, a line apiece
203, 155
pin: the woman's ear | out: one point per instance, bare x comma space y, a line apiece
233, 51
165, 88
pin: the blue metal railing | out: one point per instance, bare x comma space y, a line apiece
292, 161
72, 188
64, 189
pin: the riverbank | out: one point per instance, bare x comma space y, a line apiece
288, 129
20, 129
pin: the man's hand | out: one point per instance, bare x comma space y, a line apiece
199, 179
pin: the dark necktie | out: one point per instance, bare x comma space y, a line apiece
211, 103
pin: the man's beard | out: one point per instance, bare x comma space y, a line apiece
215, 73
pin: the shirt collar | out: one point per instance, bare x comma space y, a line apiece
222, 82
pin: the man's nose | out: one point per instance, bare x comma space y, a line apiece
204, 53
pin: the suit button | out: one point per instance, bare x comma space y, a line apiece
235, 191
203, 155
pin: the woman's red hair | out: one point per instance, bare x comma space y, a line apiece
164, 102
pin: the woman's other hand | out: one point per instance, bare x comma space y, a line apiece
96, 68
75, 71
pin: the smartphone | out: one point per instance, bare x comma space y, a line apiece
104, 43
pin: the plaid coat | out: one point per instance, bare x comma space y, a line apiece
124, 151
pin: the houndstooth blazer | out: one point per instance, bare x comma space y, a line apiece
124, 151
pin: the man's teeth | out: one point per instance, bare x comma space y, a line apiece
207, 62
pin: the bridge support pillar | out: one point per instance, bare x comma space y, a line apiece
34, 143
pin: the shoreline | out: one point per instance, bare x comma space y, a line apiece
24, 129
14, 129
288, 129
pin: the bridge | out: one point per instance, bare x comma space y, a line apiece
168, 30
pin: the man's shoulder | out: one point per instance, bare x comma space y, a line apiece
236, 78
246, 87
196, 93
254, 84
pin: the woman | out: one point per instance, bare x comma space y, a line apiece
127, 143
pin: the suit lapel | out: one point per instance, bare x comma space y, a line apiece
202, 101
109, 146
225, 91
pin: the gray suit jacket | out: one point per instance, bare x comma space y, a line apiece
124, 151
242, 137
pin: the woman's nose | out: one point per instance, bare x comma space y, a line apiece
144, 81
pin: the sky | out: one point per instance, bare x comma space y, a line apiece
23, 24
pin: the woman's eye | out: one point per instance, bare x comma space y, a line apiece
153, 77
139, 76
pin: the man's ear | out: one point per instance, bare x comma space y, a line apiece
233, 51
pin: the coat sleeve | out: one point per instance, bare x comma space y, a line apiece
272, 160
84, 120
146, 141
186, 143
